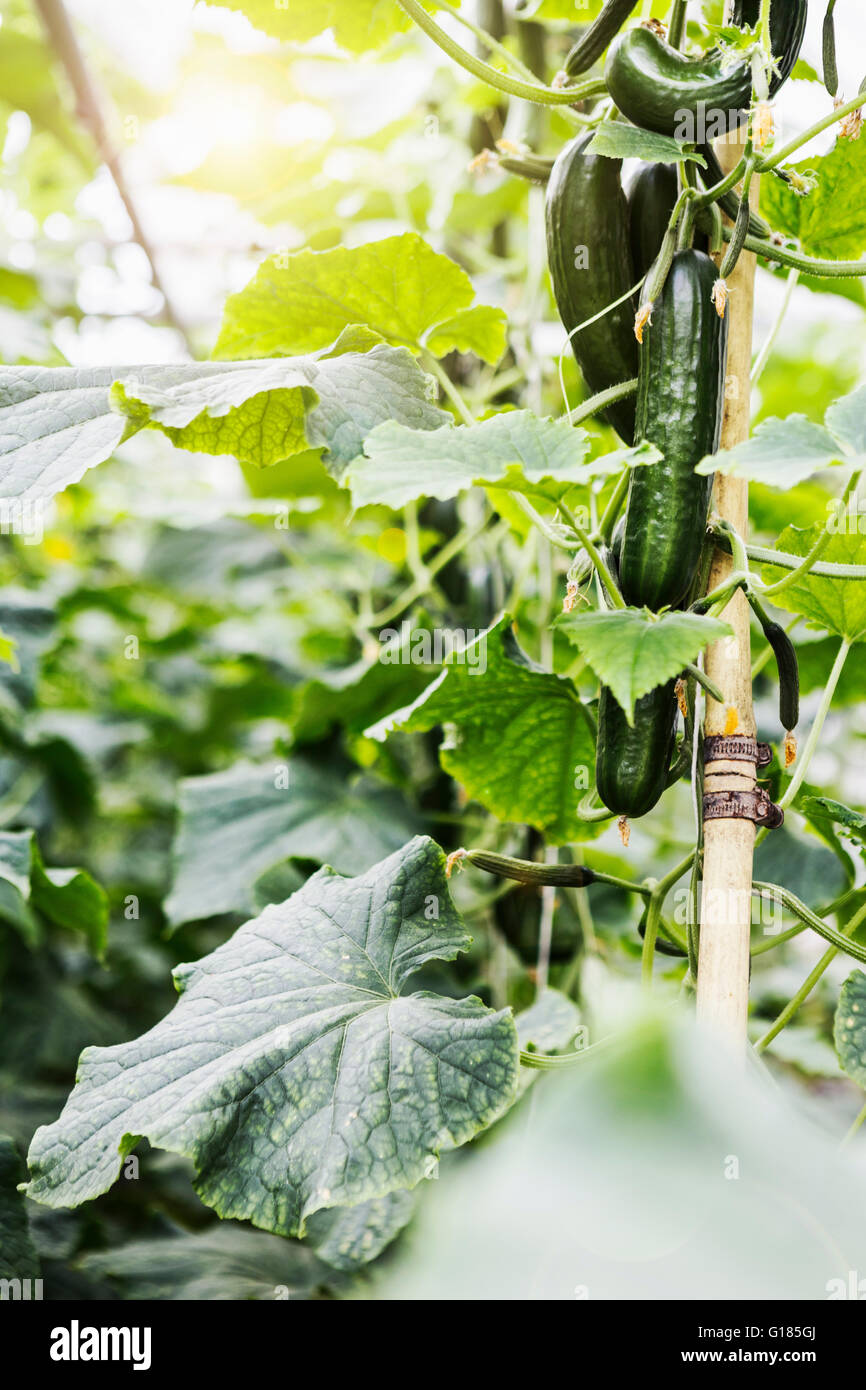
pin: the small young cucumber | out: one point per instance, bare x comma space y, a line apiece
680, 402
632, 762
590, 268
594, 41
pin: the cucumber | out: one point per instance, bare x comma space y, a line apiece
657, 86
680, 402
632, 763
597, 36
787, 28
651, 198
586, 208
729, 202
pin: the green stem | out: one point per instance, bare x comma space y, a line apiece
779, 156
614, 506
818, 724
544, 526
416, 590
731, 179
489, 41
602, 400
827, 570
835, 938
808, 984
817, 549
763, 356
451, 391
833, 270
704, 681
660, 891
514, 86
677, 25
597, 559
856, 1125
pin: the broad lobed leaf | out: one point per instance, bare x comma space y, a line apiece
292, 1070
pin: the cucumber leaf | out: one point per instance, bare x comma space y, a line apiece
616, 140
784, 453
237, 825
632, 650
836, 604
518, 738
514, 447
56, 422
399, 287
829, 222
18, 1258
357, 25
849, 1030
293, 1071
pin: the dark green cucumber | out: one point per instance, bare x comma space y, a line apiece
597, 36
660, 88
787, 28
828, 50
787, 665
680, 402
652, 194
631, 763
587, 217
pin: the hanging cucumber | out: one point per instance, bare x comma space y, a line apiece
632, 762
590, 268
651, 198
660, 88
680, 401
729, 202
788, 667
828, 49
595, 39
787, 28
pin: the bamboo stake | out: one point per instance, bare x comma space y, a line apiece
726, 906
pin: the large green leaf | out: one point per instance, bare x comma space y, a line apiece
516, 448
518, 737
30, 893
784, 453
293, 1070
618, 140
18, 1258
850, 1027
237, 825
357, 25
830, 221
399, 287
632, 650
837, 604
229, 1262
55, 423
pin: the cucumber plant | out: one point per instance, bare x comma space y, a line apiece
460, 736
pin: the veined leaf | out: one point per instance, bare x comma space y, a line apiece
55, 423
516, 446
293, 1070
18, 1258
357, 25
632, 651
237, 825
836, 604
850, 1027
518, 737
69, 898
829, 222
399, 287
617, 140
781, 453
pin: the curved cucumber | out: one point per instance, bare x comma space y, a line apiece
680, 401
632, 763
651, 198
590, 268
660, 88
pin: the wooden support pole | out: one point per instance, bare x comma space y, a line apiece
726, 906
